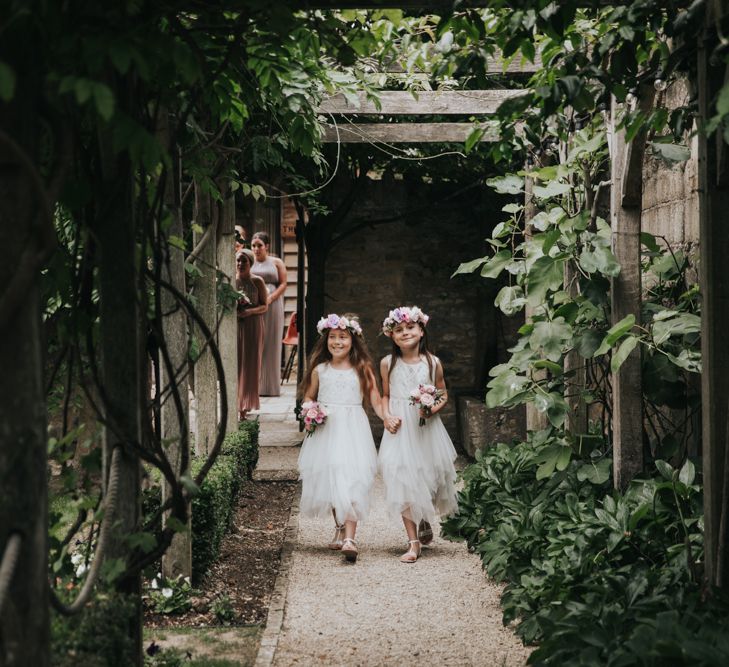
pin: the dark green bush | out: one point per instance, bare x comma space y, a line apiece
97, 637
212, 507
594, 577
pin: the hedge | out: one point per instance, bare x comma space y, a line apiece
212, 507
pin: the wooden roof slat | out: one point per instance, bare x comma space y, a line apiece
405, 133
402, 102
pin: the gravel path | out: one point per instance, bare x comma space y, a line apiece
441, 610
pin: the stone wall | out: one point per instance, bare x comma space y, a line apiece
410, 262
670, 189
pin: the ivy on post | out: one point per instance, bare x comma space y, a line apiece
625, 303
535, 420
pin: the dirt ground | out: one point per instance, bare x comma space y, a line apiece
246, 572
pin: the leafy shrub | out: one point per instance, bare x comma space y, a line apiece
223, 609
594, 577
169, 596
97, 637
212, 507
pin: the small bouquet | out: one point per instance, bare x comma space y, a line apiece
244, 301
425, 397
312, 414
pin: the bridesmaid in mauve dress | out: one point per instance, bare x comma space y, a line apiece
250, 331
273, 272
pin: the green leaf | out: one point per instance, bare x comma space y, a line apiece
722, 101
510, 299
177, 242
557, 411
104, 100
511, 184
551, 337
465, 267
687, 473
7, 82
671, 152
615, 333
626, 347
474, 136
494, 266
552, 189
597, 473
547, 273
649, 241
586, 343
665, 469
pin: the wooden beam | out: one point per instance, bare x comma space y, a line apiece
495, 64
440, 102
626, 300
404, 133
631, 186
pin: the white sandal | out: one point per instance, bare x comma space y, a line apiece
336, 543
349, 549
410, 556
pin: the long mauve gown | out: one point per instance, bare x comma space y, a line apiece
270, 384
250, 351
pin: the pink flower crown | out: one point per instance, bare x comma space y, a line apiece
333, 321
403, 314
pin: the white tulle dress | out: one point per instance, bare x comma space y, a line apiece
338, 462
416, 462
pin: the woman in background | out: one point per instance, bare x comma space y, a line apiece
251, 308
273, 272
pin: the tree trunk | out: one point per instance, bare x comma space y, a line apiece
206, 389
123, 367
627, 427
24, 623
714, 203
228, 331
177, 560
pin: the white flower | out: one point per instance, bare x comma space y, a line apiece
167, 592
81, 569
427, 401
154, 584
187, 580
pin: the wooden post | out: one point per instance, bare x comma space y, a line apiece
24, 622
177, 560
206, 389
228, 331
714, 204
626, 299
535, 420
123, 369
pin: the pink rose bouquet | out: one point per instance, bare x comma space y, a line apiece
312, 414
425, 397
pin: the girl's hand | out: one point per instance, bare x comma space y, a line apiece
392, 424
426, 413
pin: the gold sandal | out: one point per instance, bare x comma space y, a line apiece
410, 556
349, 549
336, 543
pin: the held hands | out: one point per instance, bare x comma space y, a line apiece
392, 424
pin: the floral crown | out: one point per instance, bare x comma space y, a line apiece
333, 321
403, 314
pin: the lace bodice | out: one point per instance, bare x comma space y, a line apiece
406, 377
338, 387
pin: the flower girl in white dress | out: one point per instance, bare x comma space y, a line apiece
338, 460
416, 461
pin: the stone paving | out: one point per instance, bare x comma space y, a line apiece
441, 610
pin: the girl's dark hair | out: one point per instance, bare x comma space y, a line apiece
423, 348
359, 357
263, 236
